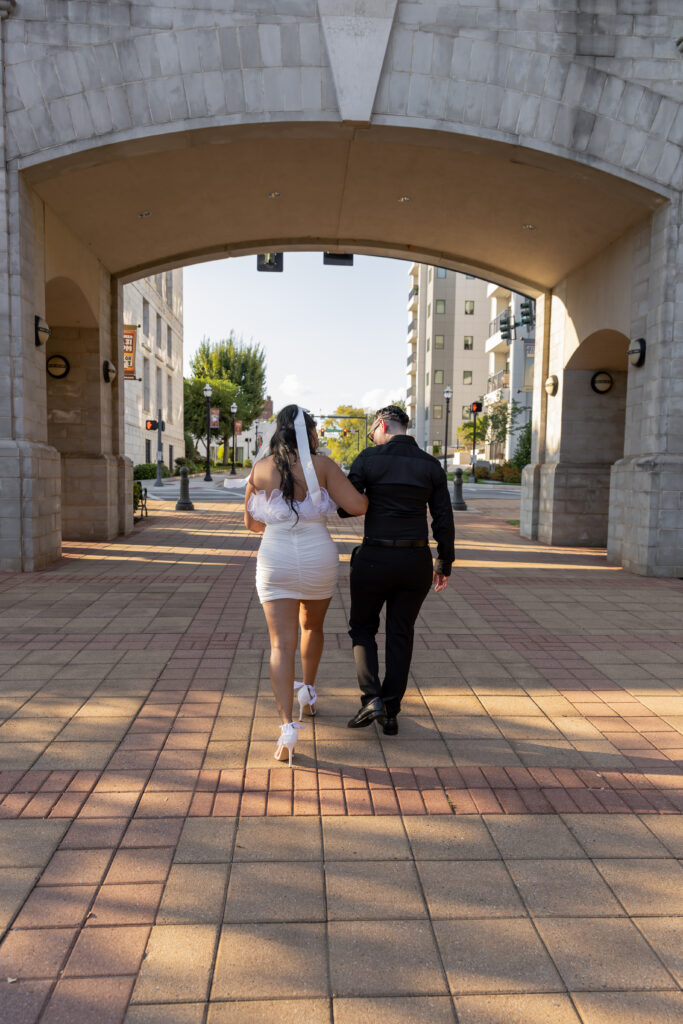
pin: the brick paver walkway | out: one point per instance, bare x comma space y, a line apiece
509, 858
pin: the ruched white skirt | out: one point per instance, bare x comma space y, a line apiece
299, 562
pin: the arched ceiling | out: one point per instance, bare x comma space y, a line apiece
178, 199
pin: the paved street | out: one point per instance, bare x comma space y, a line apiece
509, 858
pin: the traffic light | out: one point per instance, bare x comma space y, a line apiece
321, 432
270, 262
505, 326
337, 259
527, 312
476, 408
344, 431
151, 424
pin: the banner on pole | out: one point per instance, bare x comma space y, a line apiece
238, 426
215, 419
130, 334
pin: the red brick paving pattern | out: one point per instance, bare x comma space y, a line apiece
80, 936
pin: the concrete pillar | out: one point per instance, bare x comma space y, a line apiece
646, 497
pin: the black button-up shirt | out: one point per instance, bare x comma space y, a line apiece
400, 481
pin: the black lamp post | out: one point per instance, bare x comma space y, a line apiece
447, 394
233, 410
207, 395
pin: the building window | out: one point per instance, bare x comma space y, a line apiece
469, 343
429, 310
438, 341
440, 306
158, 331
467, 376
426, 380
169, 398
169, 288
466, 412
440, 271
426, 413
429, 274
437, 412
438, 376
145, 384
427, 348
470, 277
169, 342
157, 282
145, 317
170, 458
148, 450
469, 307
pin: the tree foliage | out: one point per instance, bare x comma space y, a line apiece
494, 426
224, 394
344, 449
522, 455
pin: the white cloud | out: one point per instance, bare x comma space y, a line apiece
293, 389
378, 397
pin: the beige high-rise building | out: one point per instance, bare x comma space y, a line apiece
446, 349
153, 306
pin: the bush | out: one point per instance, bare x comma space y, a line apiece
482, 473
189, 445
496, 473
247, 463
511, 475
522, 455
148, 471
137, 494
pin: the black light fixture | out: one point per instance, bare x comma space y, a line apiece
108, 372
270, 262
636, 352
337, 259
551, 385
42, 331
601, 382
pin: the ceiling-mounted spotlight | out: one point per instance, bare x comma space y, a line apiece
528, 227
270, 262
337, 259
42, 331
404, 199
144, 213
108, 372
274, 195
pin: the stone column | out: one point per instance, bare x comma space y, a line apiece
646, 496
30, 475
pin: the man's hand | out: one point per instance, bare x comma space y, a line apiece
440, 582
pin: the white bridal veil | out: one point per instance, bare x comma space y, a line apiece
304, 449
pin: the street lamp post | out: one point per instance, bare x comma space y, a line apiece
208, 391
233, 410
447, 394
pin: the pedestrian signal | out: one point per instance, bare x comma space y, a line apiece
151, 424
476, 407
270, 262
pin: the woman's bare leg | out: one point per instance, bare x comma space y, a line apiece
311, 619
283, 627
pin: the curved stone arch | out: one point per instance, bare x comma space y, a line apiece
604, 349
166, 82
66, 304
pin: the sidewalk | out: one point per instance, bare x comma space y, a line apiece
509, 858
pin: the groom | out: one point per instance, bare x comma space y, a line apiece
393, 565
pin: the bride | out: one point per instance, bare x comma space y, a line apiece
289, 494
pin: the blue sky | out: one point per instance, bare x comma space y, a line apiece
332, 335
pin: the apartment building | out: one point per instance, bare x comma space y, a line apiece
447, 334
153, 371
510, 351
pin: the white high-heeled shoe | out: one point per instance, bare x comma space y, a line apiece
307, 697
287, 741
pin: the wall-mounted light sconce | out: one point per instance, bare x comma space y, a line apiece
636, 352
42, 331
601, 382
551, 385
108, 372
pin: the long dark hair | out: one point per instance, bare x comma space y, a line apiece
284, 449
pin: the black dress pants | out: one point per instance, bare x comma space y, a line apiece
401, 578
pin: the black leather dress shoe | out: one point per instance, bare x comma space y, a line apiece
390, 725
367, 714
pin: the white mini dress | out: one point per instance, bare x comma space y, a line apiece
297, 557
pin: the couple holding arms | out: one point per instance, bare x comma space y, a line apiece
290, 493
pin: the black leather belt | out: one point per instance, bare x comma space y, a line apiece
376, 542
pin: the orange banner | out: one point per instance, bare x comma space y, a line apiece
130, 334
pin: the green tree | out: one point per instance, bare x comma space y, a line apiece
244, 365
522, 455
466, 430
344, 449
224, 394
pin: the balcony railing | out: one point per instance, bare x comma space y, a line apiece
413, 293
411, 359
412, 326
410, 392
494, 326
499, 380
